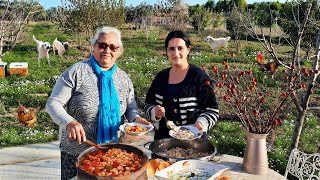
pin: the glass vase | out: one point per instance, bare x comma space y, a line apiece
255, 159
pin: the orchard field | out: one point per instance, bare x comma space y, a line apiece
143, 57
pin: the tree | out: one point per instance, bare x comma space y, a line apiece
84, 17
226, 5
13, 18
265, 13
200, 17
41, 14
175, 13
300, 98
234, 25
142, 16
241, 4
54, 14
209, 5
294, 12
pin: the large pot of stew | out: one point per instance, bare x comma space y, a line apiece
113, 162
174, 149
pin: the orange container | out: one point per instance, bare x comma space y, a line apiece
19, 68
3, 69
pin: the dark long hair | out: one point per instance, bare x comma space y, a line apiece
177, 34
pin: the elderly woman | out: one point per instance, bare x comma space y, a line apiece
179, 93
90, 97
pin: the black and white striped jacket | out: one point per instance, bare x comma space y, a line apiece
195, 101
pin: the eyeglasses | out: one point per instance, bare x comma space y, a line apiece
104, 46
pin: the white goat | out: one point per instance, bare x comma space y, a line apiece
217, 42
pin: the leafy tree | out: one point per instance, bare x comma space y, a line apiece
41, 15
53, 14
226, 5
210, 4
218, 19
201, 18
265, 13
241, 4
235, 26
84, 17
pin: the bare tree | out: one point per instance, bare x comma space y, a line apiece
13, 17
289, 20
249, 24
300, 98
143, 15
175, 14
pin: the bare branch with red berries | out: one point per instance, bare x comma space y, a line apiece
257, 107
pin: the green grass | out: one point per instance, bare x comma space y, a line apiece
13, 133
142, 59
33, 90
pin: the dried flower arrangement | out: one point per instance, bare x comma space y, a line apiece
258, 109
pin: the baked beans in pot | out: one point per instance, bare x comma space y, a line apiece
115, 161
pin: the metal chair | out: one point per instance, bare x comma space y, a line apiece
303, 166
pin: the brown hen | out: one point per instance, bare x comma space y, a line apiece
26, 116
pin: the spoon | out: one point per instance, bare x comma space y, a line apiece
93, 144
170, 124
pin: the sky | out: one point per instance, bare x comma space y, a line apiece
55, 3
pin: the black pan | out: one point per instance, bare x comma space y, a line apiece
202, 145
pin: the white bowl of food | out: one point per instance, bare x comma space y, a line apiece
185, 133
136, 129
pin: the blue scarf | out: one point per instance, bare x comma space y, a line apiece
109, 108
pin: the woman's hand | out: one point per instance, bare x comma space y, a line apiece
159, 111
199, 126
76, 131
141, 120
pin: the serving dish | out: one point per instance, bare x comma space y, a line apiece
191, 170
148, 128
185, 133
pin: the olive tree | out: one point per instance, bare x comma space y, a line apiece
226, 5
84, 17
234, 25
200, 18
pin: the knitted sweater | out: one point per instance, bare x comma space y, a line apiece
75, 96
194, 101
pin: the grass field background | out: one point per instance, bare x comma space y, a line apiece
142, 59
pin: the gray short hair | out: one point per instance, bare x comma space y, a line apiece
107, 30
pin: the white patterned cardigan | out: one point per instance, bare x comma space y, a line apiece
75, 96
